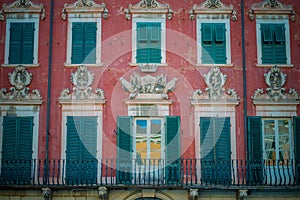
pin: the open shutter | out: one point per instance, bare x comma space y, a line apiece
296, 123
172, 146
15, 43
220, 44
255, 151
77, 43
142, 43
124, 150
90, 35
28, 43
154, 42
223, 150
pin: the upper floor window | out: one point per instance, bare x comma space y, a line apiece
22, 33
84, 32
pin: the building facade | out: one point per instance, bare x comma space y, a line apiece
146, 99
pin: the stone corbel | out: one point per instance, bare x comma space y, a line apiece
102, 192
193, 194
47, 193
23, 6
272, 7
242, 194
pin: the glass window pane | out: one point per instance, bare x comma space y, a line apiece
155, 140
269, 127
141, 139
283, 127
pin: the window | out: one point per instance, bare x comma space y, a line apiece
215, 150
273, 45
17, 143
213, 41
148, 40
81, 158
21, 42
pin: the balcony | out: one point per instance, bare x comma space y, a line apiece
184, 173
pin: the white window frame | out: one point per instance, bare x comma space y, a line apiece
146, 18
259, 41
98, 40
36, 40
203, 19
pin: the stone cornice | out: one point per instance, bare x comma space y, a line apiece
271, 7
23, 6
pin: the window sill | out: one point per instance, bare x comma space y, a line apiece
25, 65
87, 65
212, 65
272, 65
149, 64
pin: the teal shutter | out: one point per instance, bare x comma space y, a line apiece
148, 42
213, 43
255, 151
17, 149
172, 140
296, 123
124, 149
21, 43
81, 161
84, 42
280, 44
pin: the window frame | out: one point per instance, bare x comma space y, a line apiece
285, 22
68, 62
34, 20
203, 19
144, 19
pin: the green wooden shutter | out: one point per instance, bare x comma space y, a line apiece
124, 149
28, 43
142, 43
172, 140
267, 44
255, 151
296, 123
220, 44
207, 43
155, 42
90, 43
280, 44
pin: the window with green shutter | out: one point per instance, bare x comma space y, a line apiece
81, 160
84, 36
148, 49
215, 150
213, 36
17, 149
21, 43
273, 44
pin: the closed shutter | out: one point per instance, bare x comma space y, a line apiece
207, 43
21, 43
90, 43
172, 139
220, 44
255, 151
124, 150
296, 123
280, 44
148, 42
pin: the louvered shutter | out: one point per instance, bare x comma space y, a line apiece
90, 34
220, 44
267, 44
172, 140
280, 44
27, 43
154, 42
296, 123
77, 43
124, 149
207, 43
15, 43
142, 43
255, 151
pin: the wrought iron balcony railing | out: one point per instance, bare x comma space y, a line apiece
154, 172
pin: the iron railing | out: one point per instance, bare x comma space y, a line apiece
154, 172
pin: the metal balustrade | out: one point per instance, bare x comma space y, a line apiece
150, 172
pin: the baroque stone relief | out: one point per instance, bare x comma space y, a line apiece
82, 6
155, 85
215, 80
213, 6
20, 78
275, 79
23, 6
148, 7
82, 80
272, 7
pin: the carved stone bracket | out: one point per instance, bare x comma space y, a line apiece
148, 86
103, 194
215, 80
272, 7
20, 78
47, 193
82, 80
148, 7
23, 6
84, 6
242, 194
275, 79
193, 194
213, 7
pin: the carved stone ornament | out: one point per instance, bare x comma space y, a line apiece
20, 79
193, 194
213, 7
148, 7
82, 80
47, 193
272, 7
23, 6
275, 79
148, 85
84, 6
103, 194
215, 80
